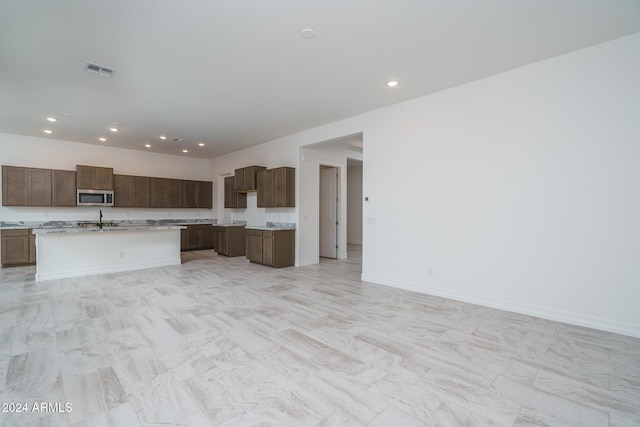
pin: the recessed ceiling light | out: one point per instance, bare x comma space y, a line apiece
392, 83
163, 137
185, 151
147, 145
201, 144
307, 33
114, 129
52, 119
47, 131
102, 139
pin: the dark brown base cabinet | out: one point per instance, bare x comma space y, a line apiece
18, 247
196, 237
275, 248
229, 240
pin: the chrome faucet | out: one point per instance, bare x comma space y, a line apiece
100, 218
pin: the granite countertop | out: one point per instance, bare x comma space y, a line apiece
49, 225
268, 228
97, 229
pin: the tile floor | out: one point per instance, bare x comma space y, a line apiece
219, 341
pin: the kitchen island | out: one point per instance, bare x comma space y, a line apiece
72, 252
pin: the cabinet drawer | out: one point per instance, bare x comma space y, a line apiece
21, 232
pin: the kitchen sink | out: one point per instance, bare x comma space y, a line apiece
96, 224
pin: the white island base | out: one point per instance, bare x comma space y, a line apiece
71, 254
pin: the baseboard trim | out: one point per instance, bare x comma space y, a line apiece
515, 307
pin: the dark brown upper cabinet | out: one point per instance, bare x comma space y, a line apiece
246, 178
276, 188
189, 194
174, 193
122, 191
26, 186
64, 188
233, 199
94, 178
131, 191
158, 192
204, 194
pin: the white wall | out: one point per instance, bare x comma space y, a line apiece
354, 204
518, 191
50, 153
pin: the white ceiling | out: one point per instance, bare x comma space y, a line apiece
235, 73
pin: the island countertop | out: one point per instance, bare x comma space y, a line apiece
97, 229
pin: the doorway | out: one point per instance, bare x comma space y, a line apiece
328, 212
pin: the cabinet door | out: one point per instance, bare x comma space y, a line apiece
206, 237
184, 239
204, 194
123, 191
284, 248
15, 186
158, 193
267, 248
141, 191
40, 187
32, 249
64, 188
188, 194
103, 179
174, 193
265, 189
94, 178
239, 179
250, 177
217, 238
15, 247
254, 245
284, 187
85, 177
229, 192
193, 235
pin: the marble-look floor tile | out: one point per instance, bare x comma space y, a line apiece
162, 400
220, 341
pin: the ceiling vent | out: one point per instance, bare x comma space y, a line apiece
99, 70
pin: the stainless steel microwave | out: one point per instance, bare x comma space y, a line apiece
95, 198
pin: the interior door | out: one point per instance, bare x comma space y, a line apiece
328, 212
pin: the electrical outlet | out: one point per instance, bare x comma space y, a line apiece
121, 254
46, 214
430, 272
